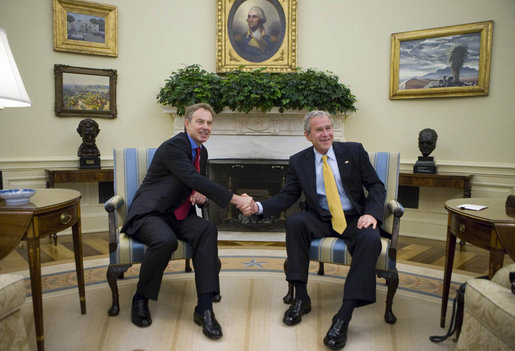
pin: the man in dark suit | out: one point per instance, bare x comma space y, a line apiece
163, 211
352, 216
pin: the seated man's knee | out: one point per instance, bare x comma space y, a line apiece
167, 244
371, 238
294, 222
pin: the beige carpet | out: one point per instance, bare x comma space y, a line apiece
250, 312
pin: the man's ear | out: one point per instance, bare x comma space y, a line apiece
308, 137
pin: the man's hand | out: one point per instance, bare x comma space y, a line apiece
250, 208
366, 220
197, 198
241, 201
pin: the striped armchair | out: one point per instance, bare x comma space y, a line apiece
334, 250
130, 167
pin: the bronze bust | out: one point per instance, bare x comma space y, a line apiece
426, 144
88, 152
427, 141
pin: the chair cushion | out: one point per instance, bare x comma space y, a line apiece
334, 250
489, 317
130, 251
12, 293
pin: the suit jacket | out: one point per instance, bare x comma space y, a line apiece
169, 181
356, 173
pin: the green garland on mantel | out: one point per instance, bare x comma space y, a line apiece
245, 91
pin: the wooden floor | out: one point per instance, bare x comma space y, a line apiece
421, 252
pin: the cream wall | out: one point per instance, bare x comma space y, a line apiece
350, 38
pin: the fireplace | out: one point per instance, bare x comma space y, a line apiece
259, 178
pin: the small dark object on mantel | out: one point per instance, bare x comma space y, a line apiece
426, 144
88, 152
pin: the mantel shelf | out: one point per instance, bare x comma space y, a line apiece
272, 123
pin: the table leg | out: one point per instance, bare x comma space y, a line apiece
33, 252
449, 261
77, 248
50, 184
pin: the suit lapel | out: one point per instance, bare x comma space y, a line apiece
310, 173
343, 160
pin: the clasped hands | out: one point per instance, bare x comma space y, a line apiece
245, 204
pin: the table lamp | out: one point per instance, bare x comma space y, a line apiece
12, 94
12, 90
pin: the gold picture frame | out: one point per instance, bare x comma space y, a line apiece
451, 61
85, 27
85, 92
275, 45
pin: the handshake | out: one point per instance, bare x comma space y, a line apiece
245, 204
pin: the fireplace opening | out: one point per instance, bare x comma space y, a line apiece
259, 178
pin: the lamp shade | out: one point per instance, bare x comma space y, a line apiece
12, 90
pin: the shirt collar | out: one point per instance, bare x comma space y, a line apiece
193, 144
330, 154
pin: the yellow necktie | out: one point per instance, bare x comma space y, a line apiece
333, 198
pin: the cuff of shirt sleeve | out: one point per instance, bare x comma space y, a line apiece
260, 207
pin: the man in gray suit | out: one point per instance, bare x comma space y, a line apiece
163, 211
351, 171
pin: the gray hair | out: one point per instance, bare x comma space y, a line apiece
261, 13
311, 115
194, 108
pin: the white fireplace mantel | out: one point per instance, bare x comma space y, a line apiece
270, 135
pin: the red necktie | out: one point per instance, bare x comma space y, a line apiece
182, 211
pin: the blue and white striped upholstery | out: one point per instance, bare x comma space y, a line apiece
130, 167
334, 250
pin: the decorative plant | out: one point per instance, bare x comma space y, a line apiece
245, 91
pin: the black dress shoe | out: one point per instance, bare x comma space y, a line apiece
210, 326
336, 336
293, 314
140, 313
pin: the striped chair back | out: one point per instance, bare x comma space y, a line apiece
130, 168
386, 165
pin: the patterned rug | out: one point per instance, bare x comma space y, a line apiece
412, 279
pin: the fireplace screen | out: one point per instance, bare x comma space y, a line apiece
258, 178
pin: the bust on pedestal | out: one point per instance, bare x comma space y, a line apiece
426, 144
88, 151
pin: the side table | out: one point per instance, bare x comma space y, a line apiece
76, 175
439, 180
484, 229
49, 211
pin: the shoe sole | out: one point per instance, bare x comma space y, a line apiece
334, 347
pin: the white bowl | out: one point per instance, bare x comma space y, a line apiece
17, 196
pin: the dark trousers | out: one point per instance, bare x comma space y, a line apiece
364, 245
160, 235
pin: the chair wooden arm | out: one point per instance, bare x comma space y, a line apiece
398, 210
110, 206
113, 203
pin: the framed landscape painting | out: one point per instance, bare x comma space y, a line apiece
85, 92
253, 34
85, 27
449, 61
